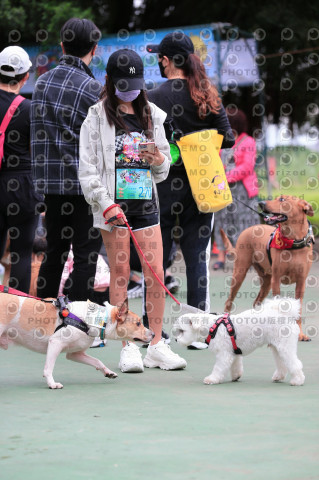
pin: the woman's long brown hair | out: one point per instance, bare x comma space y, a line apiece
203, 93
114, 114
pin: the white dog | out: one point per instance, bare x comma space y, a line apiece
273, 323
33, 324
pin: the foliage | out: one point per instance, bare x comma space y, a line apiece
287, 34
295, 171
26, 22
291, 80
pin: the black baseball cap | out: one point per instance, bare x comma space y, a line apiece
126, 69
176, 43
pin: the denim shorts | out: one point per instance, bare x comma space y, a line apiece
141, 222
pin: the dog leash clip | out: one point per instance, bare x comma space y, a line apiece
61, 303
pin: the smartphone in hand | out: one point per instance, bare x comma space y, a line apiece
148, 147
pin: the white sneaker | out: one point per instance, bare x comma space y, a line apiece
197, 346
161, 355
131, 359
98, 343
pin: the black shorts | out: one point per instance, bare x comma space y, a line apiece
141, 222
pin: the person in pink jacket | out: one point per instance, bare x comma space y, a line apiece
239, 162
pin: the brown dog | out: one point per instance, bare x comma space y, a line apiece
33, 324
289, 258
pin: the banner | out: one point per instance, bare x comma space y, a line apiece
235, 67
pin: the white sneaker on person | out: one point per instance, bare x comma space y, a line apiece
197, 346
131, 359
160, 355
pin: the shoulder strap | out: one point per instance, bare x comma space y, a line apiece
6, 120
9, 113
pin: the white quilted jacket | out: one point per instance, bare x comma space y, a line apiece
97, 159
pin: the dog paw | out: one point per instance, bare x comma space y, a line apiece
297, 381
110, 374
278, 377
211, 381
235, 379
55, 386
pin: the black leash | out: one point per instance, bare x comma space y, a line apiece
261, 214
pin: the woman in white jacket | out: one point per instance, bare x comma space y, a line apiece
120, 185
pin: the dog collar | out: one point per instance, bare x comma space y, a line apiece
283, 243
226, 321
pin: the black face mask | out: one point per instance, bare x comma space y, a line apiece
162, 69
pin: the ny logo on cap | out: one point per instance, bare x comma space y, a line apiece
132, 70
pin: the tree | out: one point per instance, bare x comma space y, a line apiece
25, 22
287, 35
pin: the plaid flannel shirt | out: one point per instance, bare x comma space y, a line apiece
60, 103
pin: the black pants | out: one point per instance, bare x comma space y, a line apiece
19, 219
181, 219
69, 221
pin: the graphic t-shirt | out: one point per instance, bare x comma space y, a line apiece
134, 189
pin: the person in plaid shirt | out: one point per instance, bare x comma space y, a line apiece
60, 103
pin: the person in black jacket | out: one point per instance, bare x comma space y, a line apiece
60, 102
192, 103
19, 203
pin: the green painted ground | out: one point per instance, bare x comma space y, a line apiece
162, 425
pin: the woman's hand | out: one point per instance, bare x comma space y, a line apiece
156, 158
116, 210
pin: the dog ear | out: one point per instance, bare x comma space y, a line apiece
307, 208
122, 311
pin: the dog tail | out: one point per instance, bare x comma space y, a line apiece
289, 307
230, 250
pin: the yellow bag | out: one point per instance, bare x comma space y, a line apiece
205, 170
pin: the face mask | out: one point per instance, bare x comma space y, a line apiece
162, 69
127, 96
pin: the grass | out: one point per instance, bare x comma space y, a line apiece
296, 172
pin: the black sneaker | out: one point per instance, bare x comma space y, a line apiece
166, 338
134, 289
171, 284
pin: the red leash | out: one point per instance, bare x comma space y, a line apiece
120, 215
13, 291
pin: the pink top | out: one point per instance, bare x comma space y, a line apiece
245, 158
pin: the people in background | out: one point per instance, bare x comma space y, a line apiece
239, 164
60, 103
19, 203
192, 104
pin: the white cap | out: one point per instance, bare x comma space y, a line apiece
16, 58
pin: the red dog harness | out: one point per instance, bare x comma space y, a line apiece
278, 241
225, 320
